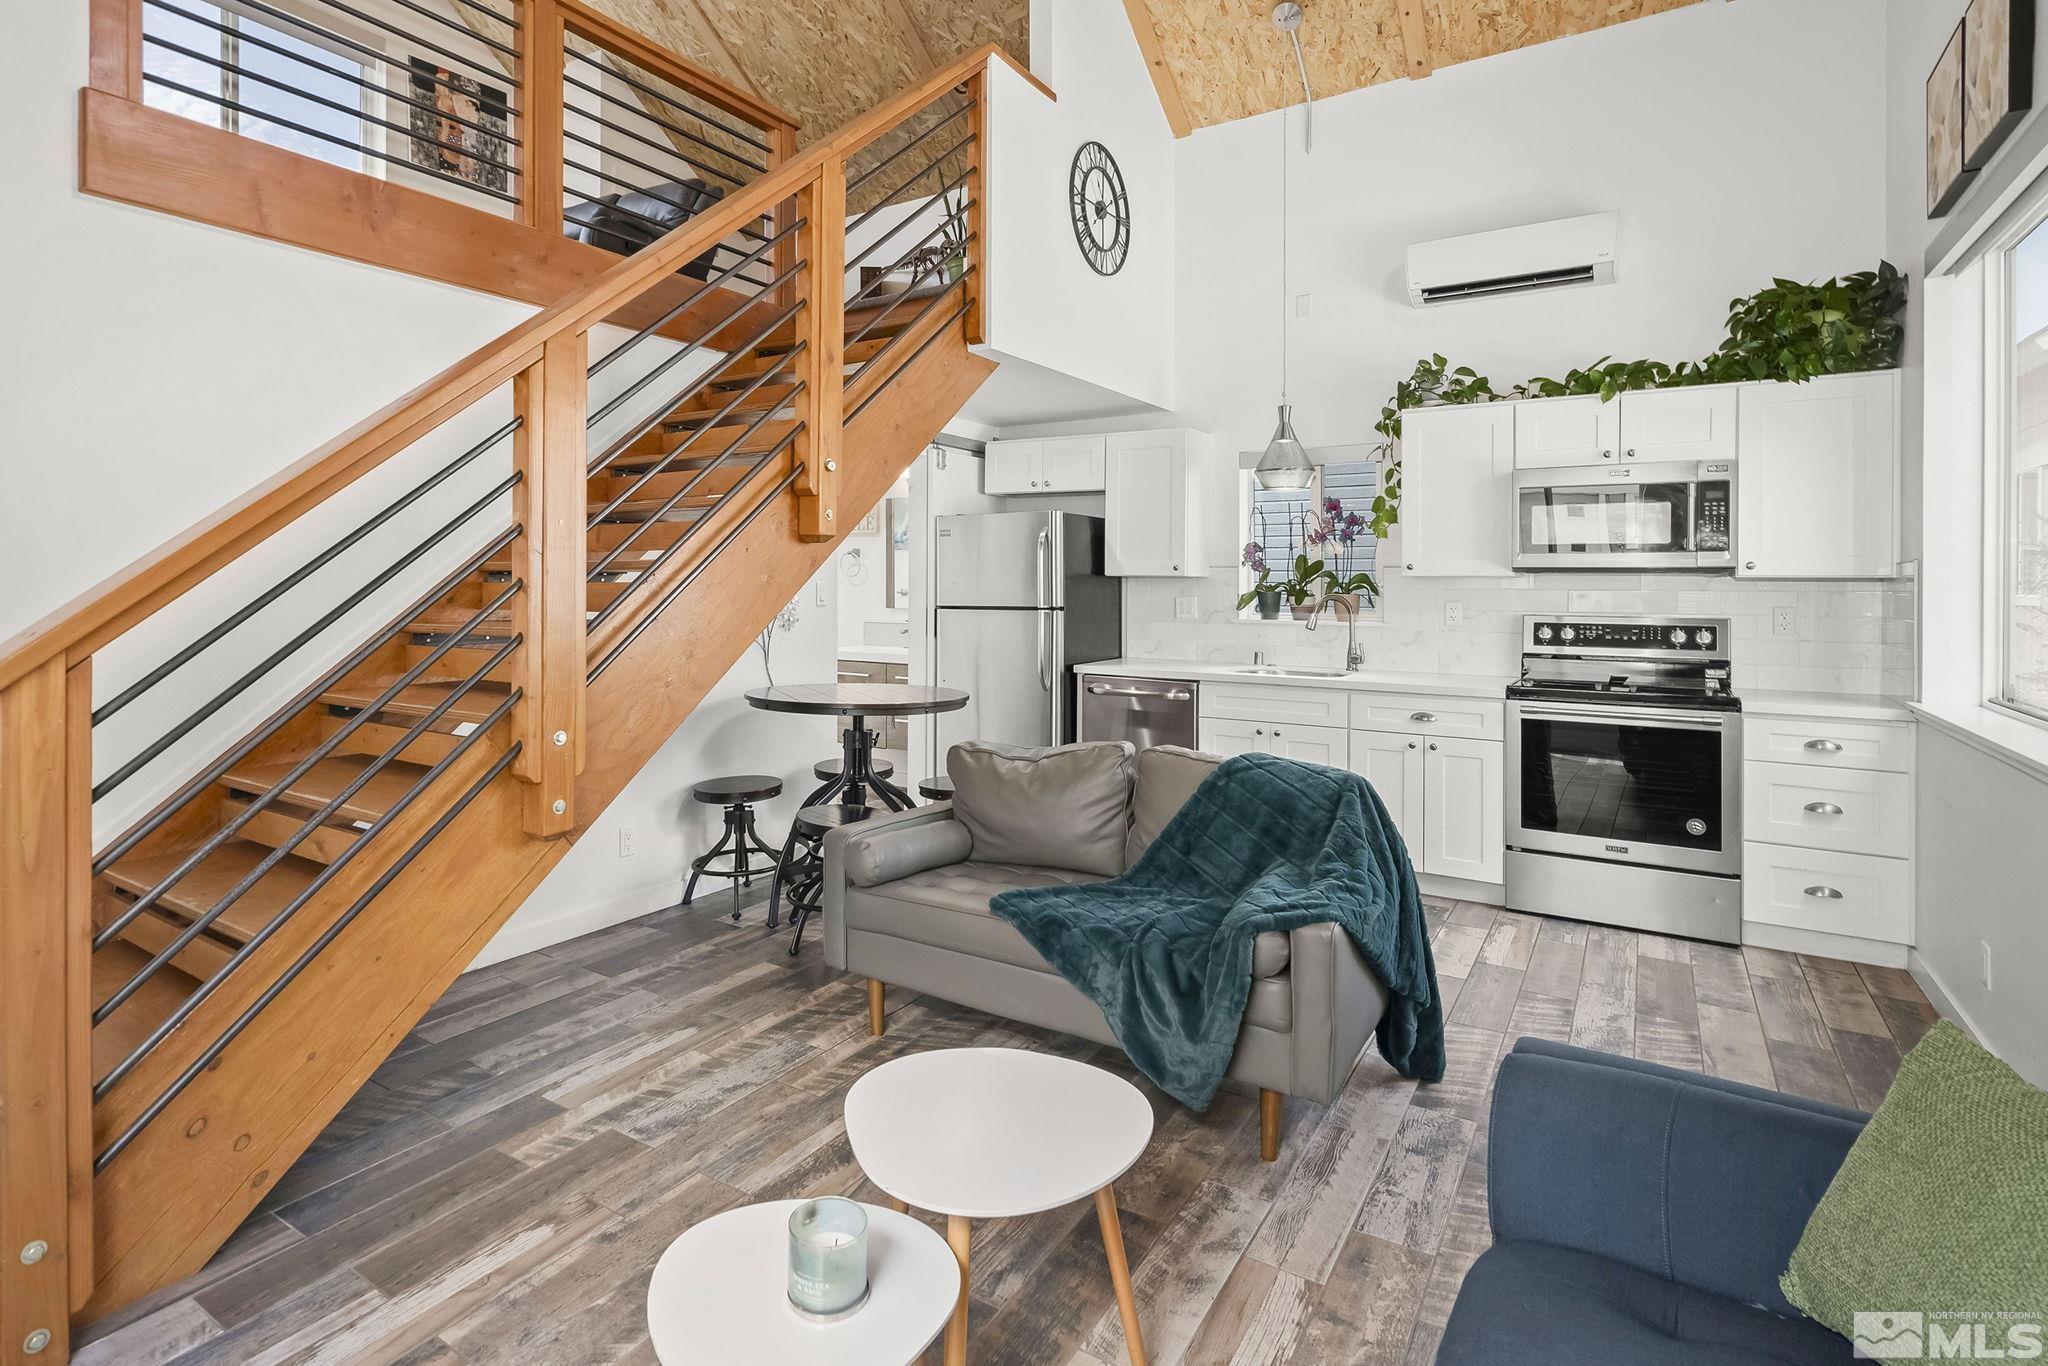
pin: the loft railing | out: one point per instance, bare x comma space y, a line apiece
538, 114
515, 524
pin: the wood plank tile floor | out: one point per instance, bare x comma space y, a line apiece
500, 1191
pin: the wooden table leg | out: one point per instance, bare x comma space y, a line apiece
1120, 1273
959, 1232
878, 998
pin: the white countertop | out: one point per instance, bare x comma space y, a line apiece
875, 654
1840, 706
1368, 680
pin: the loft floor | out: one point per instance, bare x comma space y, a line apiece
502, 1188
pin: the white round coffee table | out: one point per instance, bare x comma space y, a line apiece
720, 1295
991, 1133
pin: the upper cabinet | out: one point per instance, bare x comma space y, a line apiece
1154, 504
1816, 492
1580, 430
1457, 475
1055, 464
1678, 424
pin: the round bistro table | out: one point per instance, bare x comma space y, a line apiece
720, 1295
854, 703
993, 1133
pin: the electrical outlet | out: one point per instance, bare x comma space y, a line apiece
1984, 952
629, 841
1454, 615
1301, 305
1187, 609
820, 594
1784, 621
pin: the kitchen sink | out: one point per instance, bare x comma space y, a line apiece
1292, 673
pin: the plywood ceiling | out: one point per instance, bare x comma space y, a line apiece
826, 61
1218, 60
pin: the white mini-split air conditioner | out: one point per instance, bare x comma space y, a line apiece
1481, 265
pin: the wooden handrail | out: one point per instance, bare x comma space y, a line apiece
104, 612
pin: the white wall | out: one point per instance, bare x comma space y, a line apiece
1046, 305
1978, 874
171, 366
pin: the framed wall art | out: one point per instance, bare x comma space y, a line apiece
463, 135
1998, 74
1947, 177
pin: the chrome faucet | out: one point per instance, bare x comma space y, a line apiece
1354, 656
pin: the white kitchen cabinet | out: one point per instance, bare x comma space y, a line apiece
1062, 464
1464, 801
1153, 504
1816, 495
1679, 424
1392, 763
1328, 745
1457, 473
1577, 430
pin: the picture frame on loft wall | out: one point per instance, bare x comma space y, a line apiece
1947, 177
462, 131
1998, 75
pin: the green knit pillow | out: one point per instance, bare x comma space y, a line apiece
1941, 1206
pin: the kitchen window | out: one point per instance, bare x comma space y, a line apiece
2020, 574
280, 85
1280, 522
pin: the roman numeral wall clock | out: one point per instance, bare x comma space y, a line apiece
1101, 209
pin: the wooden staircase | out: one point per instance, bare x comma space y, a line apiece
189, 1004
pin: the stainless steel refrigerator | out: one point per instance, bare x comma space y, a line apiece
1021, 600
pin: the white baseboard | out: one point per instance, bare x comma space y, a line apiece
1941, 998
1820, 944
519, 937
1461, 889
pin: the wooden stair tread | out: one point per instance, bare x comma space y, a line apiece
202, 888
319, 784
421, 698
121, 1033
448, 618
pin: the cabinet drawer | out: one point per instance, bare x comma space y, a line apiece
1828, 744
1851, 811
1815, 889
1305, 706
1413, 714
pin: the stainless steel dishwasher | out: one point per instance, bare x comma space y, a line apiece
1144, 711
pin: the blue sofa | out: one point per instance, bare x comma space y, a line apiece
1641, 1217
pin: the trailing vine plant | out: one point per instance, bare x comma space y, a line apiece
1789, 331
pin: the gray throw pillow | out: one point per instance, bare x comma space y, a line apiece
1048, 808
1167, 776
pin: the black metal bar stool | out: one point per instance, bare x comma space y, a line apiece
740, 842
855, 794
937, 788
804, 873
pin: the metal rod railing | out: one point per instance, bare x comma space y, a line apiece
922, 347
853, 186
882, 315
312, 889
612, 68
626, 187
270, 796
270, 993
467, 66
648, 618
710, 283
354, 600
860, 220
643, 112
241, 750
855, 299
939, 194
908, 327
299, 575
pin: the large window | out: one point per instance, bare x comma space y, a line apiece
2022, 578
210, 63
1279, 520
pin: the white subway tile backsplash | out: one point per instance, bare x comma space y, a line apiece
1850, 637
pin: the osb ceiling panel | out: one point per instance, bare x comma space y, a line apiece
1219, 60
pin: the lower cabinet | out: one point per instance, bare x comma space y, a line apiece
1310, 744
1447, 796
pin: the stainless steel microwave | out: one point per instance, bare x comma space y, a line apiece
1664, 515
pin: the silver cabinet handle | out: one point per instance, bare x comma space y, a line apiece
1411, 564
1824, 808
1607, 455
1631, 452
1425, 717
1824, 893
1432, 744
1411, 744
1824, 746
1172, 695
1749, 564
1258, 732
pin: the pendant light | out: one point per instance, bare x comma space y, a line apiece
1285, 464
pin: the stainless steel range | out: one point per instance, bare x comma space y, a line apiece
1624, 775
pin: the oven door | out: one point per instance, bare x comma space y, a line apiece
1650, 786
1608, 517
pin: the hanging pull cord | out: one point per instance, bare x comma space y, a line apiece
1308, 100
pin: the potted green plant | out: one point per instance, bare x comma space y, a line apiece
1262, 590
1306, 587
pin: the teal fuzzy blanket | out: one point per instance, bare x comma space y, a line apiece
1265, 843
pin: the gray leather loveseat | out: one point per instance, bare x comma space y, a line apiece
906, 902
